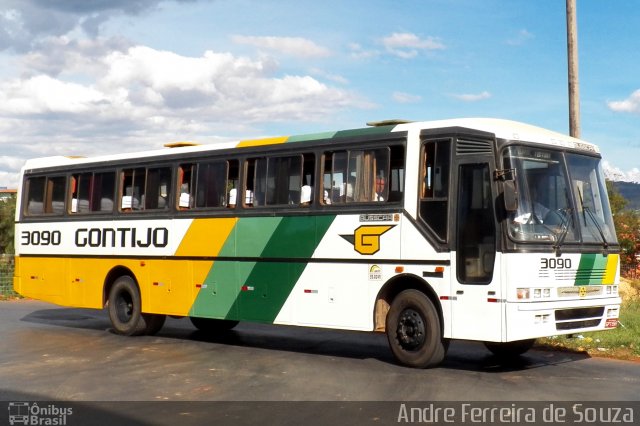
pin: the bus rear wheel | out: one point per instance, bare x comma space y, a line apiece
125, 310
508, 350
211, 325
413, 330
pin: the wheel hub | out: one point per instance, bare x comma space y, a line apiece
125, 307
411, 329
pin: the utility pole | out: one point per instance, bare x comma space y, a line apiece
572, 56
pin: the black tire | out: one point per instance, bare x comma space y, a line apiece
211, 325
508, 350
125, 310
413, 330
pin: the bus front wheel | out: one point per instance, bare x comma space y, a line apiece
413, 330
125, 310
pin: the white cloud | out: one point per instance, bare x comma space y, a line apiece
144, 82
329, 76
24, 22
473, 97
631, 104
408, 45
406, 98
294, 46
144, 97
617, 174
43, 94
57, 55
520, 38
359, 52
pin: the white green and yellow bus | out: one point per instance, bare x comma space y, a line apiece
475, 229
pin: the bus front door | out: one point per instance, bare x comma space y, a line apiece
477, 307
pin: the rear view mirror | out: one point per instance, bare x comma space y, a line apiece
510, 196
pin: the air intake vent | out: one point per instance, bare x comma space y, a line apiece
464, 147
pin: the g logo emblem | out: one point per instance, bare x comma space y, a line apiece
583, 291
366, 239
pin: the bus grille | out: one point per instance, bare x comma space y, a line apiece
571, 319
574, 291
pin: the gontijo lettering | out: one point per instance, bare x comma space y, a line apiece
122, 237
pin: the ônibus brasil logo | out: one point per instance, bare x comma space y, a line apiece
26, 413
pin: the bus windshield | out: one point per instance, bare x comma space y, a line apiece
561, 198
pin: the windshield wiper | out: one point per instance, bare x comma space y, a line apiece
586, 209
564, 225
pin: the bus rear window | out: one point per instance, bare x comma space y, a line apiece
45, 195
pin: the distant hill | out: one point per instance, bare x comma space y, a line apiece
630, 191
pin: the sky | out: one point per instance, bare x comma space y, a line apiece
92, 77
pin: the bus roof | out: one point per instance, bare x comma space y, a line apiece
502, 129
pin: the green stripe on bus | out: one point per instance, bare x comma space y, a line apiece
365, 131
311, 137
584, 269
220, 289
257, 290
270, 283
591, 269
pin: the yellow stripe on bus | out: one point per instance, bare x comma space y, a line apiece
205, 237
611, 269
261, 142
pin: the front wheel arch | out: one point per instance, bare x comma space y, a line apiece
395, 286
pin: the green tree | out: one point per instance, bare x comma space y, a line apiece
7, 224
627, 223
616, 199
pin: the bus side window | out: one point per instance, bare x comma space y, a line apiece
55, 195
362, 176
145, 189
92, 192
132, 189
396, 174
80, 185
102, 194
46, 195
278, 181
434, 186
35, 196
157, 188
334, 174
308, 172
211, 184
186, 176
208, 184
249, 184
233, 175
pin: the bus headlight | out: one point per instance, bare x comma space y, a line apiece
523, 293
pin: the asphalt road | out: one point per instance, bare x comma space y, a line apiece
49, 353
